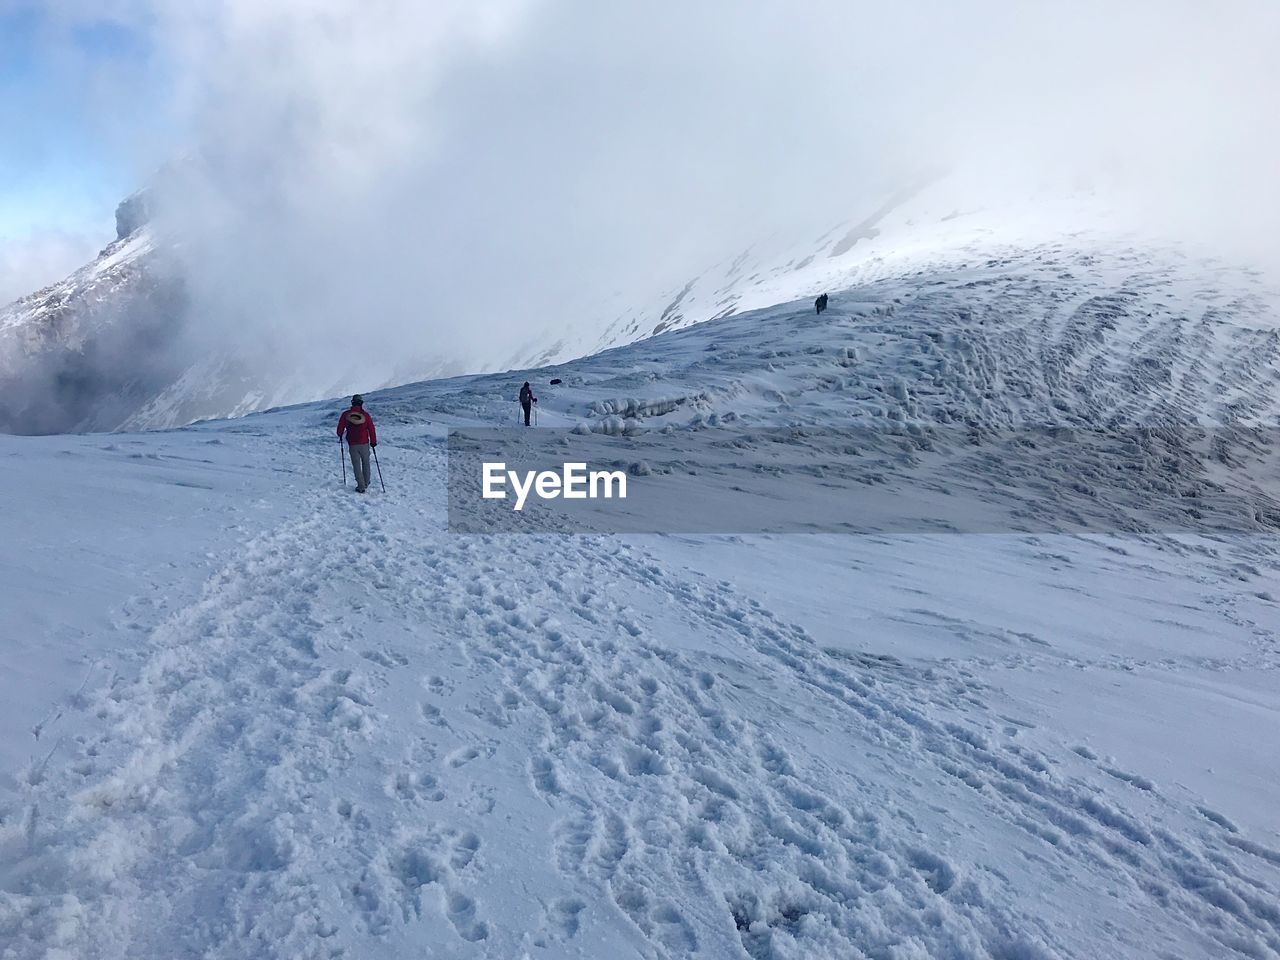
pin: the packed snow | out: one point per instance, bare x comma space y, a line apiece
249, 714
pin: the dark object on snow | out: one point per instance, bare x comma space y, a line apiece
133, 213
357, 401
527, 400
555, 381
821, 303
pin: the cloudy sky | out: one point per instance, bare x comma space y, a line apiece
399, 162
61, 171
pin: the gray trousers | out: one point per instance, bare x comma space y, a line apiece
360, 464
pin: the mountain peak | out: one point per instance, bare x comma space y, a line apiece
133, 213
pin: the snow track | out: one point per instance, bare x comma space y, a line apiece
205, 764
481, 747
673, 770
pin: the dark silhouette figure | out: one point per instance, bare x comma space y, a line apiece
821, 303
527, 400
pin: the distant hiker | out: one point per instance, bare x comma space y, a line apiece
358, 426
527, 400
821, 303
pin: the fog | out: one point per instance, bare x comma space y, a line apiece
392, 180
32, 259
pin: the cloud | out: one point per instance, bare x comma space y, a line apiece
39, 258
374, 182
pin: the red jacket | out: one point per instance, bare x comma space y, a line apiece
358, 425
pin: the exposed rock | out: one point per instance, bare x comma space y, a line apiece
133, 213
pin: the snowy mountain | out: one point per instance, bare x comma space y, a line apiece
118, 346
249, 714
84, 353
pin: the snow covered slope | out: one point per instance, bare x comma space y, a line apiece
252, 715
83, 353
933, 219
119, 345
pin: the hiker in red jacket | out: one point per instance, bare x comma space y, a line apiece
361, 437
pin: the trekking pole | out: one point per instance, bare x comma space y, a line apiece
342, 460
375, 460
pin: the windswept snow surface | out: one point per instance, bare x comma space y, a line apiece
250, 715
